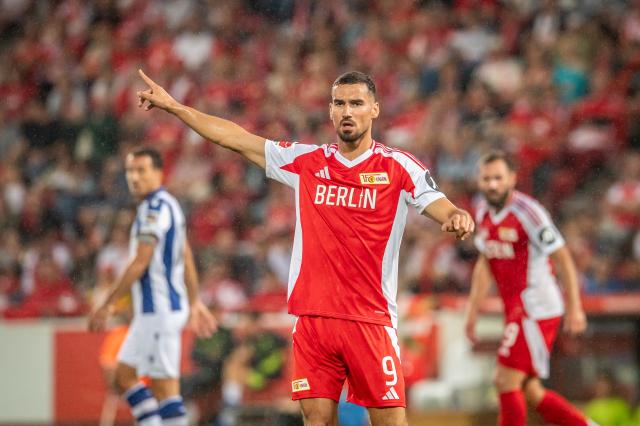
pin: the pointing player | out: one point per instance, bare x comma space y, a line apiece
164, 284
516, 239
351, 204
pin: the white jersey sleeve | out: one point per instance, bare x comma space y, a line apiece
280, 160
425, 191
154, 218
538, 225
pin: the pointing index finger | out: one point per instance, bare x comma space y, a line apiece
146, 79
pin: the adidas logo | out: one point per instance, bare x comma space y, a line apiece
390, 395
323, 173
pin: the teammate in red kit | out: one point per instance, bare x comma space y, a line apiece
516, 239
351, 203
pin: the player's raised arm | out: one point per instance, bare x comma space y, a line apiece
575, 319
218, 130
480, 283
451, 218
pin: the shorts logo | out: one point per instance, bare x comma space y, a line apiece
391, 395
508, 234
374, 178
300, 385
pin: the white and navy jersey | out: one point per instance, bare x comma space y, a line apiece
161, 288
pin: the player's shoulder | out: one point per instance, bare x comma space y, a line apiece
158, 199
407, 160
528, 208
481, 208
295, 145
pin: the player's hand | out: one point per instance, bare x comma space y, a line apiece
470, 329
461, 224
575, 321
155, 96
98, 318
201, 321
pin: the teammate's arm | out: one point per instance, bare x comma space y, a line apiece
575, 319
200, 319
218, 130
146, 244
451, 218
481, 280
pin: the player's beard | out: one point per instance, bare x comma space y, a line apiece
497, 201
350, 137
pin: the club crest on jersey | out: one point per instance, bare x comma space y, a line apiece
381, 178
508, 234
300, 385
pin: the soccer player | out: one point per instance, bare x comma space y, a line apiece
516, 239
352, 198
162, 278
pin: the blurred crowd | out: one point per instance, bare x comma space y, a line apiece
556, 83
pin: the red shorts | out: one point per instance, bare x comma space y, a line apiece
328, 351
526, 345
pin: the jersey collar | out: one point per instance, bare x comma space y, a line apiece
359, 159
150, 195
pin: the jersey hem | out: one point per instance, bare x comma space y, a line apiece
385, 322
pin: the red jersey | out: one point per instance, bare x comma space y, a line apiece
350, 216
517, 242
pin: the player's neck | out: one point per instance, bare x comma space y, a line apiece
497, 208
352, 150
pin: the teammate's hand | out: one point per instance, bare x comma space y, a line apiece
98, 318
575, 321
201, 321
461, 224
470, 329
155, 96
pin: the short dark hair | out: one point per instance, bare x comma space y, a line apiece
356, 77
498, 155
156, 157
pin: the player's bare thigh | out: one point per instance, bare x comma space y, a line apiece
319, 412
508, 379
125, 377
389, 416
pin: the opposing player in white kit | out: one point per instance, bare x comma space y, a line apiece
163, 281
352, 198
516, 240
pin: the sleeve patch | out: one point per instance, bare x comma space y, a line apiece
430, 181
547, 236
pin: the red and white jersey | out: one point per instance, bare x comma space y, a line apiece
350, 216
517, 242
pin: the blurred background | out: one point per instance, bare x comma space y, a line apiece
555, 83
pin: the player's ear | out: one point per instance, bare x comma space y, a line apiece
375, 111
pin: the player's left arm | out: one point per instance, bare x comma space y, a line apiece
201, 321
451, 218
575, 318
146, 244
